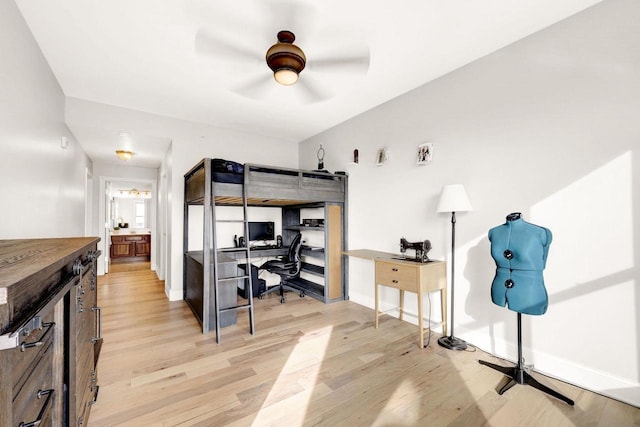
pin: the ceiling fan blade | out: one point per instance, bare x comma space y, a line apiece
309, 90
209, 45
353, 64
257, 87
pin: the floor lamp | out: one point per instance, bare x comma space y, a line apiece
453, 198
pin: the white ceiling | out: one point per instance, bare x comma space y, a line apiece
142, 55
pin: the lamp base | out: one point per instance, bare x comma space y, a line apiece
452, 343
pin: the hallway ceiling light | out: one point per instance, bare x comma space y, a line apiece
124, 154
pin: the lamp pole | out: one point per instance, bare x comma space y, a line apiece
453, 198
453, 269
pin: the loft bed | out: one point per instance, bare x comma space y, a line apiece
265, 185
216, 182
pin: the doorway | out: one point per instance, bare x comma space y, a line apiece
128, 213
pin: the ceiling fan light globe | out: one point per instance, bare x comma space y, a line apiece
285, 76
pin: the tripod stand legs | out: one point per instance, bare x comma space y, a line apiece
519, 376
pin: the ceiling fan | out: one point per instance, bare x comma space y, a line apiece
285, 59
256, 61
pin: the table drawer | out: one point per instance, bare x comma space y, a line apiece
396, 275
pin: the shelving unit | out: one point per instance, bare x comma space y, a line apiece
263, 186
332, 271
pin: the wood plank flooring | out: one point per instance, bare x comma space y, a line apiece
309, 364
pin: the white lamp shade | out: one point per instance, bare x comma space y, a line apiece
453, 198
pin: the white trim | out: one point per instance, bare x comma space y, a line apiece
554, 367
102, 232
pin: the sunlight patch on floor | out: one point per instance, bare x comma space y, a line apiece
308, 354
401, 408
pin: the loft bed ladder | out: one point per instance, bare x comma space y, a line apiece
217, 280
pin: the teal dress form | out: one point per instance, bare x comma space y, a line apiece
520, 251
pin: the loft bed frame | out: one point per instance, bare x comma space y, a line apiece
267, 186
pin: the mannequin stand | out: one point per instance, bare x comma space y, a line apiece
519, 376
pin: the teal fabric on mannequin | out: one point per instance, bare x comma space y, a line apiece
520, 251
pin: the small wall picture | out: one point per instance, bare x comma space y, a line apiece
425, 153
382, 157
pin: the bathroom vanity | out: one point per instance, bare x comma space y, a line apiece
130, 245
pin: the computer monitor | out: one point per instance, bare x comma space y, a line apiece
261, 231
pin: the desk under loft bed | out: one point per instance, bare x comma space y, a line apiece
211, 273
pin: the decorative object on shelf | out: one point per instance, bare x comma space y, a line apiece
421, 249
313, 222
124, 154
320, 155
382, 157
355, 156
425, 153
453, 198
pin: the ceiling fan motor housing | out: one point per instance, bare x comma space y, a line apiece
286, 55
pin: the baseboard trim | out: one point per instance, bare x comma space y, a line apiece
172, 294
558, 368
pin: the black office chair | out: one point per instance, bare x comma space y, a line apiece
287, 267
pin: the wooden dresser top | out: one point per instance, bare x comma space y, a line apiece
21, 259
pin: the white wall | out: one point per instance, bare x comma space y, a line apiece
43, 185
548, 127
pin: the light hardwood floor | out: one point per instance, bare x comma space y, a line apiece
309, 364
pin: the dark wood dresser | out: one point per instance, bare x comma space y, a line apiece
50, 331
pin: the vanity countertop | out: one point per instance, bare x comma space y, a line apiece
130, 231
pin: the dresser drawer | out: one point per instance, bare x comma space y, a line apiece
23, 358
397, 275
37, 392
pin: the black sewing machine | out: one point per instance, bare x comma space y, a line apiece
421, 248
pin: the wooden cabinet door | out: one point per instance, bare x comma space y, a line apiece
121, 249
143, 248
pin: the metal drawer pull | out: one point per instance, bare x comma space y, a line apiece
394, 281
394, 269
26, 345
95, 396
49, 394
98, 312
